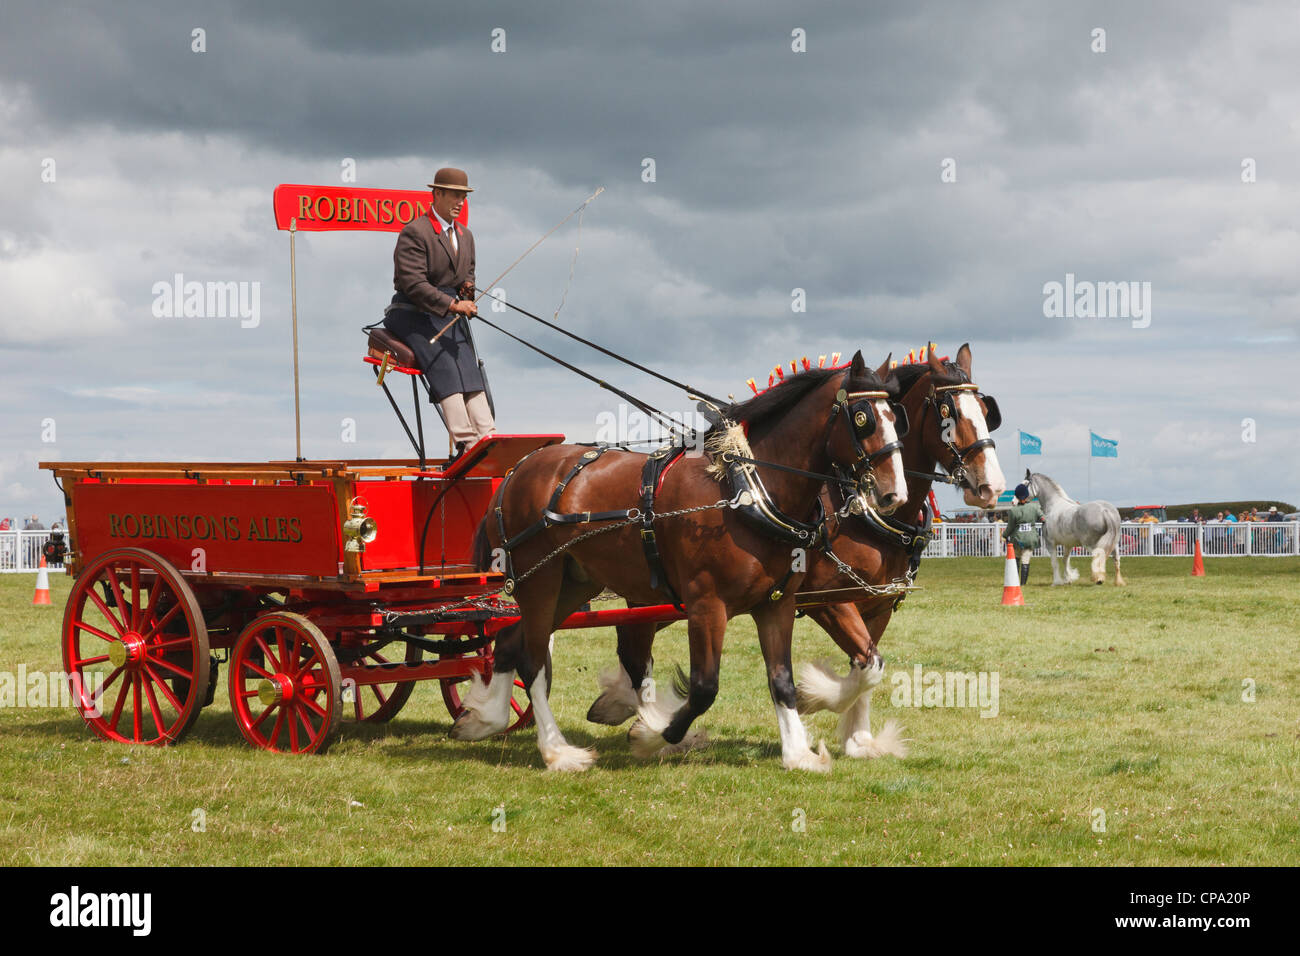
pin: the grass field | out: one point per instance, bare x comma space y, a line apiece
1127, 702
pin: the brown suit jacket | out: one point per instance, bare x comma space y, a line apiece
423, 260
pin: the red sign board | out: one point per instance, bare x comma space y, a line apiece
352, 208
287, 529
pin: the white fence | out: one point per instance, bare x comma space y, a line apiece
21, 550
1169, 539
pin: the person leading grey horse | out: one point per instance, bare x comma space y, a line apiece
1020, 530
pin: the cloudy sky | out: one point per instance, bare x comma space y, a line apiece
921, 170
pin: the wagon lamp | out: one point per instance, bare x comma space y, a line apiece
359, 529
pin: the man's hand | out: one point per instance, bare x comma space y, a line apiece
464, 307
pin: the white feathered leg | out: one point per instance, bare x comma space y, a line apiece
820, 688
487, 707
618, 699
558, 753
795, 752
654, 712
856, 738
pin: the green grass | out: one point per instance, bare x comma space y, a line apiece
1124, 700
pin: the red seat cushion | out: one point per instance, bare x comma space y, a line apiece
381, 341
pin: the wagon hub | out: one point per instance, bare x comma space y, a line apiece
275, 690
129, 649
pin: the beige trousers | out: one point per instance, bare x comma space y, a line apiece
468, 416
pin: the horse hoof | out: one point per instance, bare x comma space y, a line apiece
569, 759
610, 711
819, 762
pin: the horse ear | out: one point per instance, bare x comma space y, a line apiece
963, 357
859, 364
932, 358
883, 372
1027, 474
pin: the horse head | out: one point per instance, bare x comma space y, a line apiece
956, 419
868, 443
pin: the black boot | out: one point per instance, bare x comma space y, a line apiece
1024, 573
460, 450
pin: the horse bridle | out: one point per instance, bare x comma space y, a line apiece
946, 408
860, 419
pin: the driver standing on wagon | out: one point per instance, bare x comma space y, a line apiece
433, 273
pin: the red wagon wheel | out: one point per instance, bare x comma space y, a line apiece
137, 653
380, 703
454, 687
284, 685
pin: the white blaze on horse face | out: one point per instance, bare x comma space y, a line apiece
888, 435
991, 474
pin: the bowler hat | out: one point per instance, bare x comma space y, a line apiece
450, 178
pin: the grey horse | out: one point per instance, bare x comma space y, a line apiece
1068, 523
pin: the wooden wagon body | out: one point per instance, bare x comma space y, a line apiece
326, 588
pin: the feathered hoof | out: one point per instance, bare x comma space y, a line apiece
644, 742
821, 689
471, 726
569, 759
819, 762
610, 712
1120, 582
617, 702
888, 743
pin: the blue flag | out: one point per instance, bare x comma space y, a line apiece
1030, 444
1104, 447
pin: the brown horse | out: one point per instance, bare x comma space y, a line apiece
721, 557
951, 421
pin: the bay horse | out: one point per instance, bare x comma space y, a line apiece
1066, 522
716, 558
951, 421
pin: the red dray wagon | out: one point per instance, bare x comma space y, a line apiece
326, 588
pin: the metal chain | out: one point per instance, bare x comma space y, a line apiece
897, 586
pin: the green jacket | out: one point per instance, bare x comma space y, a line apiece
1020, 524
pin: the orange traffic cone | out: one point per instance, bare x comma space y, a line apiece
1011, 596
42, 595
1198, 561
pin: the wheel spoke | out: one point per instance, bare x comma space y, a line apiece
103, 609
293, 730
135, 597
311, 731
153, 705
116, 585
167, 692
256, 669
275, 731
285, 664
79, 624
314, 707
135, 707
264, 714
275, 662
179, 672
121, 699
89, 660
159, 624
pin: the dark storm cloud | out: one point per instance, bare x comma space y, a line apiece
774, 171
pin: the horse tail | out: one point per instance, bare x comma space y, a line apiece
482, 549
